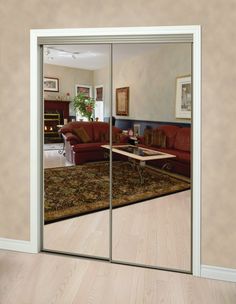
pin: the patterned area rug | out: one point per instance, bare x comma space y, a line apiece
77, 190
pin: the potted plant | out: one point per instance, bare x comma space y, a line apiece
84, 104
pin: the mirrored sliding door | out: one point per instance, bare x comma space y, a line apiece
77, 99
151, 184
136, 99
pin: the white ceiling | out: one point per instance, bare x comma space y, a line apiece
89, 57
93, 57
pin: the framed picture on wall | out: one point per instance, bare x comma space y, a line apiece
51, 84
86, 90
99, 93
183, 97
122, 101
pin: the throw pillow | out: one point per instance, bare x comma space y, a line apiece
82, 134
183, 139
147, 136
116, 137
104, 136
158, 138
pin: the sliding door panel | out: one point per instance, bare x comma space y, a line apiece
151, 184
77, 98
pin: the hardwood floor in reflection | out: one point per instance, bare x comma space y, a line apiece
87, 234
52, 159
155, 232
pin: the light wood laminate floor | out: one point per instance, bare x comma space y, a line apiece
49, 279
155, 232
53, 159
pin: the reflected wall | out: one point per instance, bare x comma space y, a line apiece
76, 166
151, 156
151, 185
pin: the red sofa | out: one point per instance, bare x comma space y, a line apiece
178, 143
79, 152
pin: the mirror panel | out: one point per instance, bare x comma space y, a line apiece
76, 166
151, 152
151, 182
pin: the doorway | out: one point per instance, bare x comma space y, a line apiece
195, 159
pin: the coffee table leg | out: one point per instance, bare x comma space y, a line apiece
106, 155
139, 166
132, 162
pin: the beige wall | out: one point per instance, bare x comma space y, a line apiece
151, 78
68, 79
218, 20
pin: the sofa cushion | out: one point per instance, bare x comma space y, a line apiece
116, 135
158, 138
170, 132
72, 138
147, 136
100, 129
82, 134
183, 156
87, 147
104, 137
183, 139
123, 139
71, 126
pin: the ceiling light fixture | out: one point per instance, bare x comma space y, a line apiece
47, 51
61, 52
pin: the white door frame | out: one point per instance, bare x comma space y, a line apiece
36, 124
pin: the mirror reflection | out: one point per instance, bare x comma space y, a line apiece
151, 184
148, 110
76, 167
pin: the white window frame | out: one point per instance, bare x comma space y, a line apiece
95, 97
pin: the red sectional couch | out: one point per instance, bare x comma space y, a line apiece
178, 143
80, 150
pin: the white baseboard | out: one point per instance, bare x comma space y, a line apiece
218, 273
16, 245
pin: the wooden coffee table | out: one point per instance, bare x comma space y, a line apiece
137, 156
